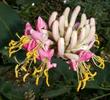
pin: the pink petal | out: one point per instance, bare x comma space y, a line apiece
42, 54
28, 27
35, 34
26, 46
31, 45
47, 44
50, 54
53, 65
46, 54
73, 64
91, 43
85, 55
40, 24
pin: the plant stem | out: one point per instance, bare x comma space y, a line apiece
99, 97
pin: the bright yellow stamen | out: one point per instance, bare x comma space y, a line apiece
37, 80
46, 76
79, 86
83, 83
24, 66
36, 70
25, 76
15, 46
97, 41
16, 71
99, 62
33, 54
84, 75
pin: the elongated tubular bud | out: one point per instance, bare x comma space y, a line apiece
87, 30
81, 47
91, 36
45, 35
71, 56
61, 47
87, 21
66, 14
62, 25
55, 31
91, 29
73, 40
74, 16
68, 35
52, 18
91, 44
81, 35
92, 22
83, 20
92, 33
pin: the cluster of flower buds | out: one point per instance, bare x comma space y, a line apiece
73, 40
72, 36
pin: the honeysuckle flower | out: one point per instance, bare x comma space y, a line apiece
74, 40
45, 55
83, 69
37, 47
30, 37
71, 40
70, 35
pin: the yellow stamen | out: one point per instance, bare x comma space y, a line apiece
98, 61
33, 54
46, 76
16, 71
16, 60
97, 40
83, 83
84, 75
37, 71
25, 76
24, 66
37, 80
15, 46
79, 86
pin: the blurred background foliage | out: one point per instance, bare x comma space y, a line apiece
13, 16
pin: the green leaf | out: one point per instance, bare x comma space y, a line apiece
10, 91
63, 69
57, 92
10, 23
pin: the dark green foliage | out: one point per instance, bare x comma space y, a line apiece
63, 81
10, 23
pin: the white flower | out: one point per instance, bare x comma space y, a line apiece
71, 35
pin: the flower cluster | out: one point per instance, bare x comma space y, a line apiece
72, 42
37, 47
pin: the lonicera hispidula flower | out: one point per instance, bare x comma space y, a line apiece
37, 47
74, 40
